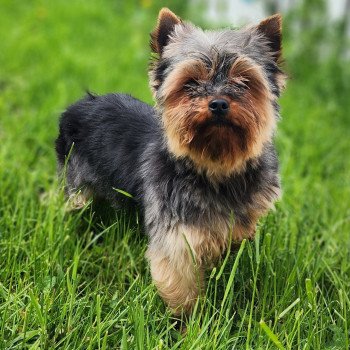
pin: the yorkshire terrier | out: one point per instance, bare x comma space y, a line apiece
202, 155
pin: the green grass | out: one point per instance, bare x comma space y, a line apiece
73, 281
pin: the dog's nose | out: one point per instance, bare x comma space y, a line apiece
219, 106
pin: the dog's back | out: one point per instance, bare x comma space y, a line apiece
102, 137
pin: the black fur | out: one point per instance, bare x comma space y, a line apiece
109, 135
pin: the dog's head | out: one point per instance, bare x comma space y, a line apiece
217, 90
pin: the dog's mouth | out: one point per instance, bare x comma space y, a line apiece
220, 131
220, 122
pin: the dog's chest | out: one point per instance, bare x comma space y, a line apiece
196, 202
181, 195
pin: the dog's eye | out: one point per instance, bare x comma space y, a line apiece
241, 87
190, 84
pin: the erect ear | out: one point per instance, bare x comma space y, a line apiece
165, 26
271, 28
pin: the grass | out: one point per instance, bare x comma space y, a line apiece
74, 281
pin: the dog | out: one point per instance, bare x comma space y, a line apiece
201, 164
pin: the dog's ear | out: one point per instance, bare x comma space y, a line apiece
167, 21
271, 28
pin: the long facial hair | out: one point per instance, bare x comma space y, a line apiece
217, 145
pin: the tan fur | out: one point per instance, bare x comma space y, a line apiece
191, 69
166, 22
262, 204
259, 207
241, 232
281, 80
271, 27
178, 262
247, 230
78, 200
179, 288
219, 150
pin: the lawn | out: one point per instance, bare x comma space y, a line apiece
79, 281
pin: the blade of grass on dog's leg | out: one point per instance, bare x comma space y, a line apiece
272, 336
228, 252
195, 265
189, 249
233, 272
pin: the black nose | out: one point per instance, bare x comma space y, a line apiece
219, 106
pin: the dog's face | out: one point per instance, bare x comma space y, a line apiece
217, 90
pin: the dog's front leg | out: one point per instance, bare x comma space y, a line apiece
176, 272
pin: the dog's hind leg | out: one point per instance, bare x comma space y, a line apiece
77, 187
77, 200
